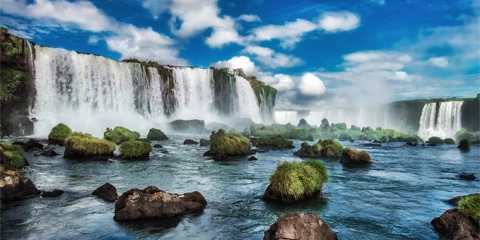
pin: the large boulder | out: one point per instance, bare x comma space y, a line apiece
328, 148
32, 144
156, 135
119, 135
84, 145
299, 226
188, 126
354, 156
58, 134
135, 150
107, 192
204, 142
152, 202
14, 186
454, 225
223, 145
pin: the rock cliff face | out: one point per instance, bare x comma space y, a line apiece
17, 89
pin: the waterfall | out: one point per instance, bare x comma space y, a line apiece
443, 124
31, 75
247, 104
284, 117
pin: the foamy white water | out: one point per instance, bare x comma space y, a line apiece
443, 124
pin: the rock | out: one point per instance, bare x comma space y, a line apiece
432, 144
467, 176
188, 126
252, 158
155, 203
204, 142
190, 141
75, 146
454, 201
156, 135
351, 140
299, 226
157, 146
32, 144
54, 193
412, 144
164, 151
308, 152
253, 140
328, 152
454, 225
14, 187
98, 159
107, 192
135, 150
354, 156
49, 153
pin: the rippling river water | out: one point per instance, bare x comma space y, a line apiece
394, 198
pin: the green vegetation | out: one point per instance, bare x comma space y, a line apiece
352, 155
229, 144
120, 134
156, 135
12, 46
274, 141
464, 144
334, 145
135, 149
14, 154
59, 133
3, 29
89, 146
293, 180
473, 137
470, 206
435, 140
448, 141
11, 80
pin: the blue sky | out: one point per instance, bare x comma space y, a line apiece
316, 53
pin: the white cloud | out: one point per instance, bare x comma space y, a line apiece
339, 21
248, 18
93, 40
310, 85
439, 61
272, 59
289, 34
243, 62
156, 7
281, 82
224, 32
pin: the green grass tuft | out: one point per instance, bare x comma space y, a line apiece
120, 134
59, 133
276, 141
135, 149
470, 206
334, 145
14, 154
229, 144
89, 146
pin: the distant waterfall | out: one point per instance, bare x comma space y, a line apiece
90, 93
284, 117
443, 124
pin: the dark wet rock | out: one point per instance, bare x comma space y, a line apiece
32, 145
98, 159
412, 144
107, 192
252, 158
49, 153
156, 135
467, 176
299, 226
14, 186
155, 203
308, 152
157, 146
275, 196
454, 201
355, 156
454, 225
52, 194
204, 142
351, 140
190, 141
328, 152
164, 151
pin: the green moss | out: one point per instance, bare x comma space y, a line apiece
229, 144
14, 154
464, 144
156, 134
317, 147
435, 140
89, 146
275, 141
135, 149
12, 46
59, 133
296, 179
354, 155
470, 206
120, 134
334, 145
11, 80
448, 141
304, 144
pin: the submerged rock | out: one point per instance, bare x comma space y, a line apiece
32, 144
299, 226
107, 192
252, 158
467, 176
454, 225
155, 203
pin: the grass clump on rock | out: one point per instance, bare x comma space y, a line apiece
435, 140
86, 146
334, 145
120, 134
156, 135
278, 141
14, 154
225, 144
58, 134
449, 141
293, 181
470, 206
352, 155
135, 149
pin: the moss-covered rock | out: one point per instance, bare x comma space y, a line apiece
14, 154
464, 144
84, 145
449, 141
333, 145
435, 140
470, 206
354, 156
156, 135
58, 134
277, 141
294, 181
120, 134
135, 150
223, 145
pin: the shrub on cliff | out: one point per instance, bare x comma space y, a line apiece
120, 134
470, 206
275, 141
14, 154
156, 135
58, 134
86, 146
334, 145
351, 155
228, 144
135, 149
293, 181
464, 144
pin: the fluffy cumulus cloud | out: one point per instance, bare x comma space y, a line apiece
439, 61
339, 21
281, 82
243, 62
311, 85
272, 59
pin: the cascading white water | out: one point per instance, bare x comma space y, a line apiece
443, 124
247, 104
